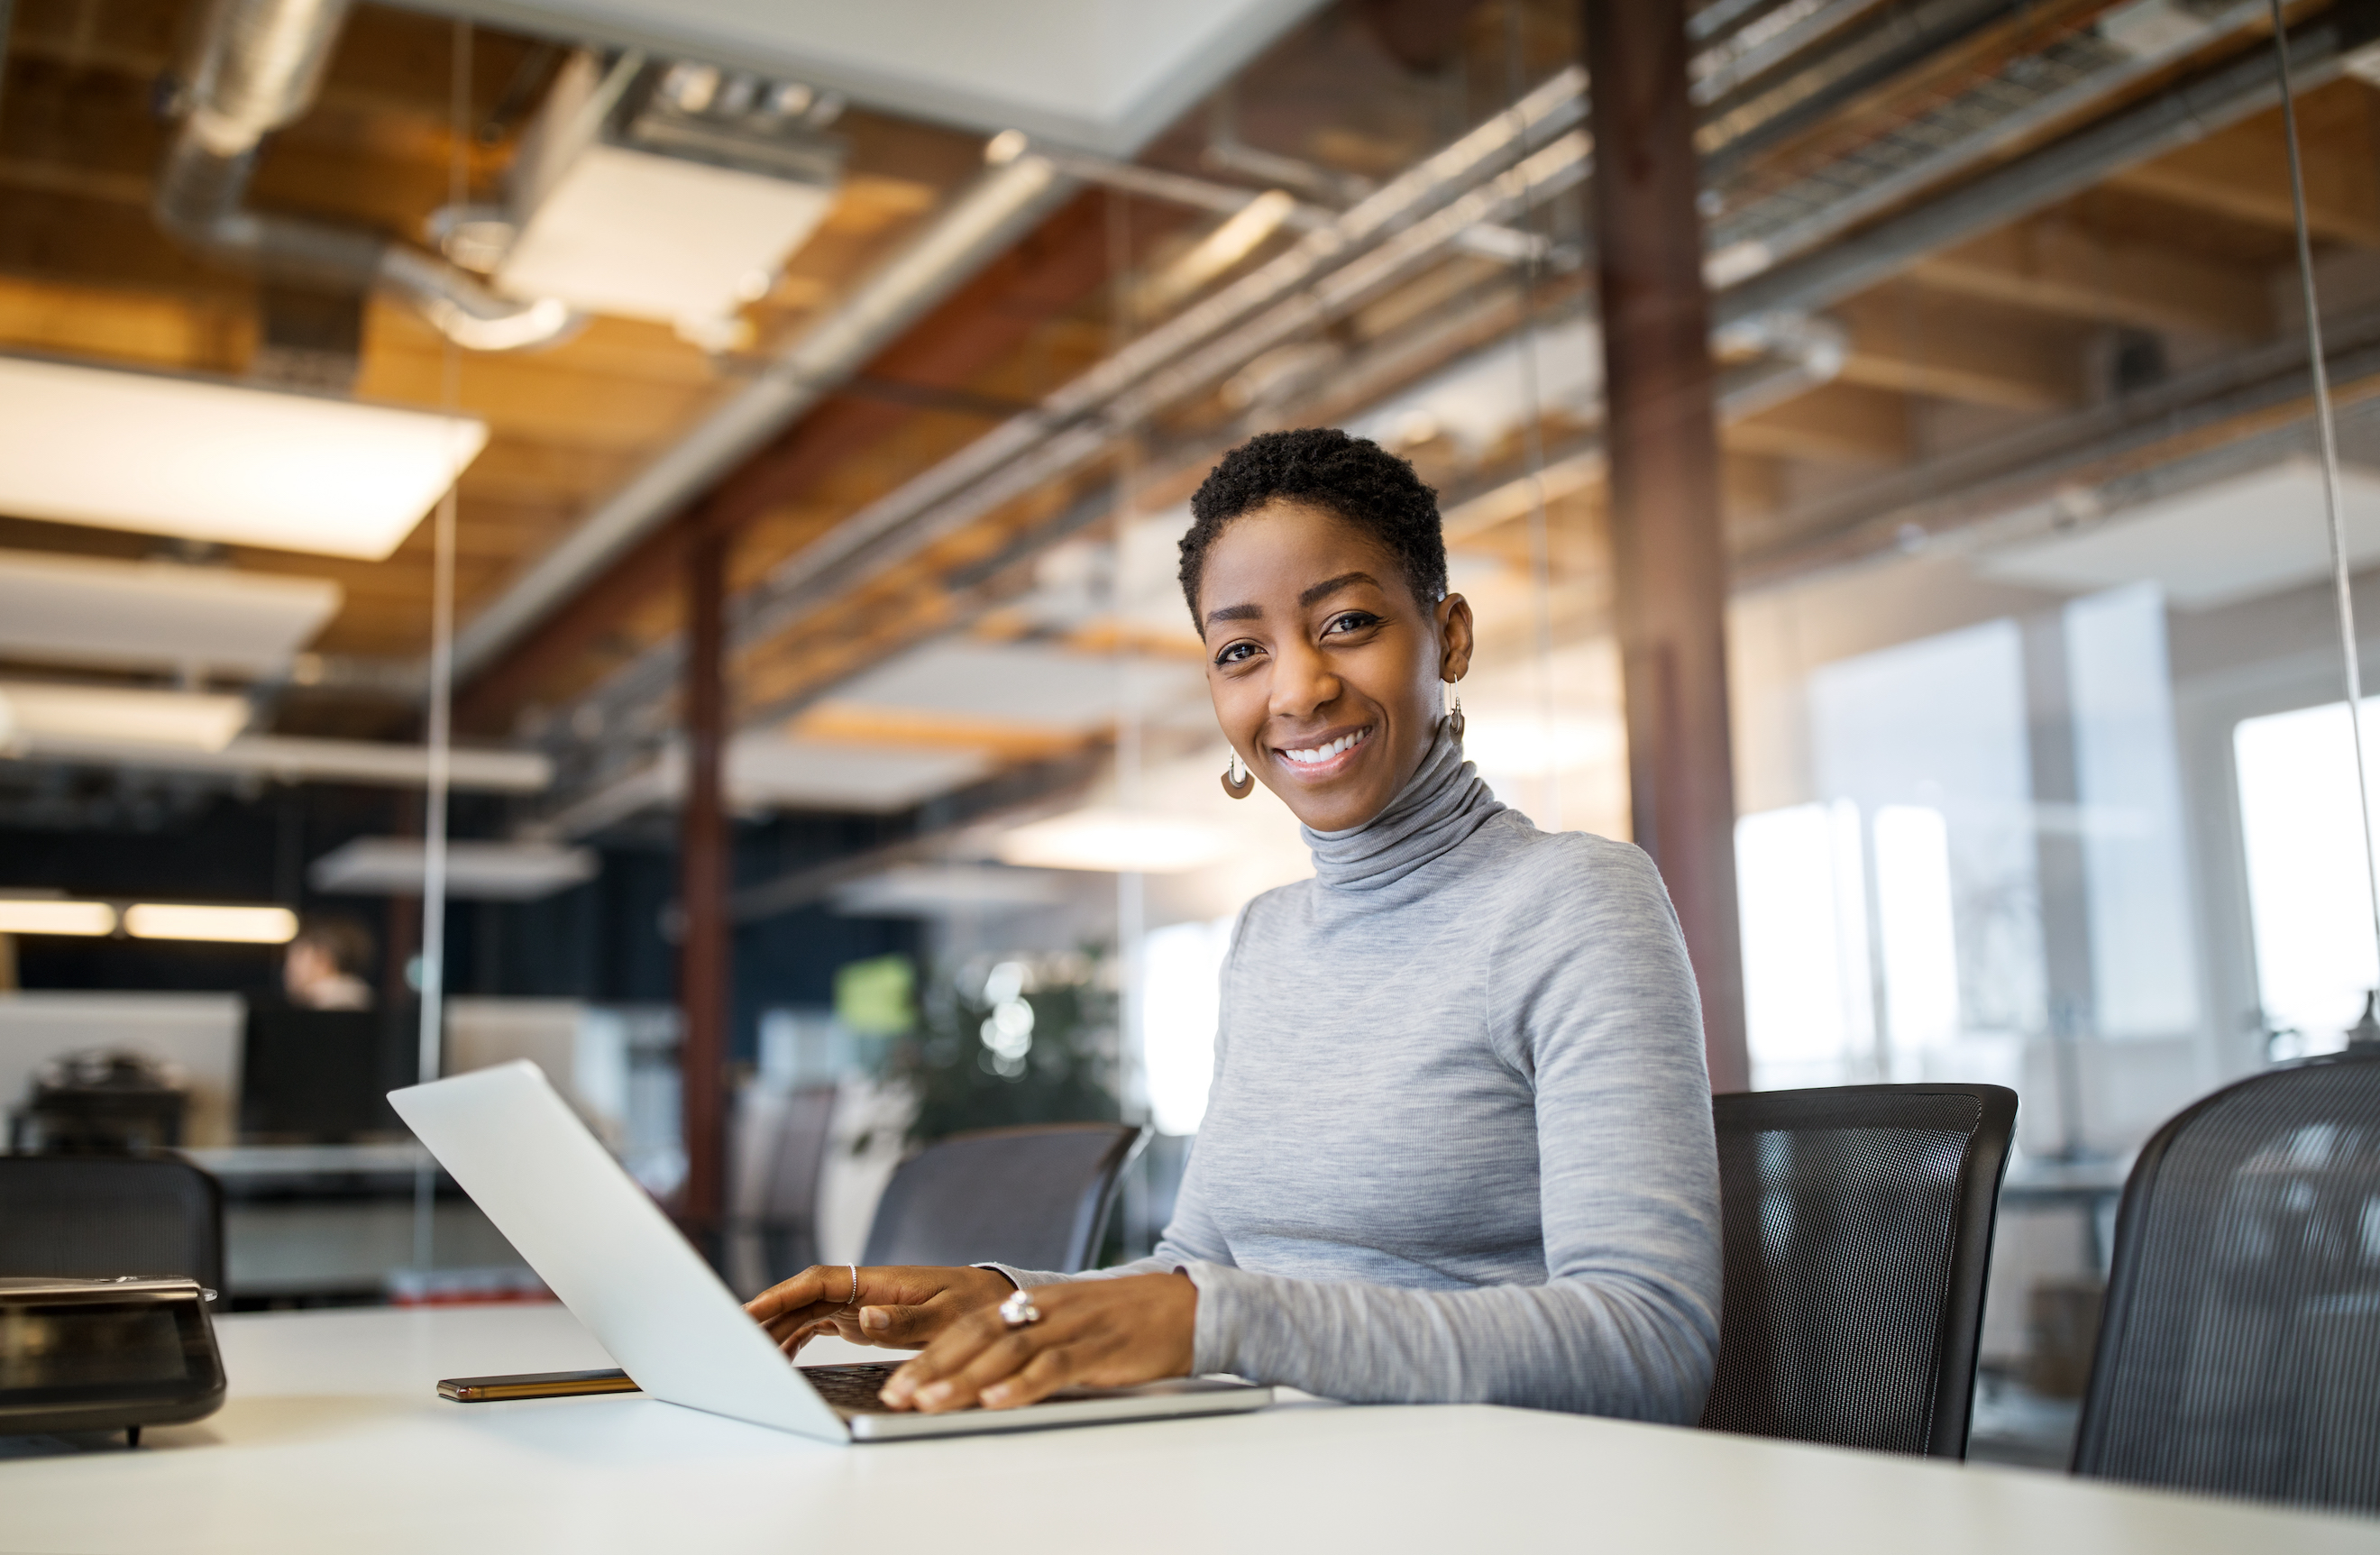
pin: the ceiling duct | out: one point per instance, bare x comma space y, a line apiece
259, 64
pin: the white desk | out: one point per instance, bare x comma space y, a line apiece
332, 1440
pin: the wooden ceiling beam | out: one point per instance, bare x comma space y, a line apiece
1837, 424
2055, 268
2242, 175
1912, 343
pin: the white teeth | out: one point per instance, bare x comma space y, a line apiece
1325, 752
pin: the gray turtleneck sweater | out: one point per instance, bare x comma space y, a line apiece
1458, 1146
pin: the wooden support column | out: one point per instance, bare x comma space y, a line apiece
704, 859
1669, 565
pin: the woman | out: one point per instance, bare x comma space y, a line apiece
1458, 1146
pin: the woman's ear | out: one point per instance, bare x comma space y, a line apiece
1454, 638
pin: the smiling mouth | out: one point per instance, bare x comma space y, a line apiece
1316, 755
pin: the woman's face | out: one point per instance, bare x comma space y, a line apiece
1324, 668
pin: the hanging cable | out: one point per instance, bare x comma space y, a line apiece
442, 676
2326, 422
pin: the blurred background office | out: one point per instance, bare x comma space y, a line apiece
641, 537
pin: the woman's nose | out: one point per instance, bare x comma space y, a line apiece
1302, 682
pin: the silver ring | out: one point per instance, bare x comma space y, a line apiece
855, 1284
1018, 1311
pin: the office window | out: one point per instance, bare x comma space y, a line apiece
2308, 893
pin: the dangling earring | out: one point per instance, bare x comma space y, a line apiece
1238, 780
1454, 718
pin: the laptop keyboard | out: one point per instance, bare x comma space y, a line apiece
853, 1388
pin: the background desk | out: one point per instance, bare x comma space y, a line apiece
332, 1440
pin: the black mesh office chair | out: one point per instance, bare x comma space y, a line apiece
94, 1217
1034, 1197
777, 1161
1856, 1233
2240, 1351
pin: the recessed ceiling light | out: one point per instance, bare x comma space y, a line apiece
247, 926
33, 712
209, 459
19, 916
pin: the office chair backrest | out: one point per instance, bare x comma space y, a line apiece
1856, 1234
2240, 1350
1034, 1197
95, 1217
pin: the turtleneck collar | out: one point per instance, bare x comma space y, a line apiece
1443, 804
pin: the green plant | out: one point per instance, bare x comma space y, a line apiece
1018, 1041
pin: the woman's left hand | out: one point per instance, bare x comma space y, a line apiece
1093, 1333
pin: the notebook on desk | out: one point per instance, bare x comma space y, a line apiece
604, 1248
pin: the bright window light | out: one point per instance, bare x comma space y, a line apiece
2308, 899
1920, 945
1801, 895
1533, 747
222, 461
32, 712
1181, 970
41, 916
244, 925
1114, 841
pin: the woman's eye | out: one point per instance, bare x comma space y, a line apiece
1236, 652
1351, 621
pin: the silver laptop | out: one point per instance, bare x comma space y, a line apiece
605, 1248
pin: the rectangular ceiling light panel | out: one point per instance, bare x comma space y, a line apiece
19, 916
646, 237
88, 610
220, 461
230, 926
475, 870
33, 713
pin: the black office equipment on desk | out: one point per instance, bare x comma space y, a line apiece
101, 1101
105, 1354
321, 1076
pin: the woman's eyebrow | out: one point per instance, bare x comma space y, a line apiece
1330, 585
1236, 612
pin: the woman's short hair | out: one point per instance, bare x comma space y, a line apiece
1351, 477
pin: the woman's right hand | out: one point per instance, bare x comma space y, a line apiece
900, 1306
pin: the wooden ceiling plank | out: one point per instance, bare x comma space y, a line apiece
2054, 269
1904, 341
2242, 174
1837, 424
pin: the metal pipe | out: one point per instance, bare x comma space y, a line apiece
258, 65
982, 223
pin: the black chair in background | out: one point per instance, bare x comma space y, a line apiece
2239, 1349
1856, 1235
96, 1216
1035, 1197
777, 1158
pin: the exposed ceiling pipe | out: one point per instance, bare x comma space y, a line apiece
977, 228
2179, 117
258, 67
